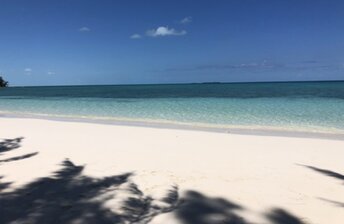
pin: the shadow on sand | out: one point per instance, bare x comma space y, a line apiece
329, 173
6, 146
65, 197
11, 144
69, 196
335, 203
281, 216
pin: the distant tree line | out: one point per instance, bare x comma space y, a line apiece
3, 83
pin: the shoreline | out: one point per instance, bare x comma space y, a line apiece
181, 126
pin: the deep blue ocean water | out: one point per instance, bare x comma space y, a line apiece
298, 106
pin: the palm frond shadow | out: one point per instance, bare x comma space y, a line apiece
69, 196
326, 172
8, 145
65, 197
329, 173
140, 208
336, 203
16, 158
4, 185
198, 208
281, 216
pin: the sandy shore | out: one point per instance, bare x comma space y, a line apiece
209, 177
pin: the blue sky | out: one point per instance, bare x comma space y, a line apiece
75, 42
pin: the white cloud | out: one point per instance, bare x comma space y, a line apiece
164, 31
28, 71
186, 20
51, 73
135, 36
84, 29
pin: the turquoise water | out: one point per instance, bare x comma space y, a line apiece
306, 106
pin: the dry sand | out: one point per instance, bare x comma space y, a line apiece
220, 176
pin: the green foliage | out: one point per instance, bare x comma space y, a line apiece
3, 83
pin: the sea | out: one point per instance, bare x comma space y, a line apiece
316, 107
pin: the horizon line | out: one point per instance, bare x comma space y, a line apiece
183, 83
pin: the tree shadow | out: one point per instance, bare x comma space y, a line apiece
326, 172
329, 173
19, 157
140, 208
336, 203
193, 207
3, 186
65, 197
10, 144
281, 216
198, 208
69, 196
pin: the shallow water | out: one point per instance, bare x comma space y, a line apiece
305, 106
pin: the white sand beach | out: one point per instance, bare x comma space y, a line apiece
211, 177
